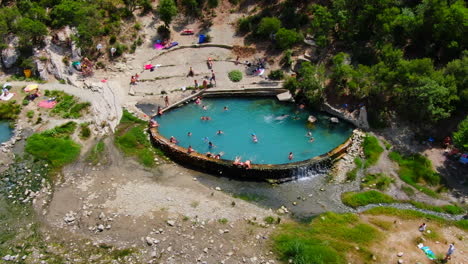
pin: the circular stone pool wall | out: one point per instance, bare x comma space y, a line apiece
279, 127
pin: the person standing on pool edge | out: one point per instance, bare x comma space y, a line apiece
291, 156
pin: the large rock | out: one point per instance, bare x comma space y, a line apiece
41, 67
9, 56
56, 66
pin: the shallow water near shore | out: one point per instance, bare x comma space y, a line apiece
5, 131
261, 130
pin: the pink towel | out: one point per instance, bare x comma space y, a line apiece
158, 46
148, 66
47, 104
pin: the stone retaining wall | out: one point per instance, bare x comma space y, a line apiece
360, 121
258, 172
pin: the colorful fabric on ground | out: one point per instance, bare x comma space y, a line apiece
7, 97
47, 104
31, 87
158, 46
429, 253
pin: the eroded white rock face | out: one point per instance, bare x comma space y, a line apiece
10, 55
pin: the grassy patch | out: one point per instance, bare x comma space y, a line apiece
352, 174
377, 181
85, 131
30, 114
235, 76
9, 110
382, 224
132, 140
449, 209
372, 150
55, 145
325, 240
223, 221
354, 199
415, 170
67, 105
97, 153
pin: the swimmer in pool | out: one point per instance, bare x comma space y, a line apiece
312, 139
189, 134
291, 156
254, 138
225, 108
204, 107
211, 145
173, 140
220, 132
281, 117
309, 134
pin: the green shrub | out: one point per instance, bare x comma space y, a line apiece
85, 132
460, 137
269, 220
354, 199
213, 3
372, 150
244, 25
287, 61
112, 39
9, 110
30, 114
268, 25
54, 146
164, 32
235, 75
449, 209
137, 27
276, 75
25, 102
286, 38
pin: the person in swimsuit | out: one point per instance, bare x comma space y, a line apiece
190, 149
291, 156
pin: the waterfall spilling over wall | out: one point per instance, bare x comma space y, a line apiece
312, 169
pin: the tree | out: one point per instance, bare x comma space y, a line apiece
459, 70
286, 38
31, 31
460, 137
268, 25
322, 24
167, 10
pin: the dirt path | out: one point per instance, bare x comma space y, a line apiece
134, 206
403, 236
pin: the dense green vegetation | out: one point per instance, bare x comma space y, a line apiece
403, 57
372, 150
55, 145
9, 110
325, 240
354, 199
460, 137
416, 170
132, 140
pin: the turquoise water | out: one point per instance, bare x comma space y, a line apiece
277, 134
5, 131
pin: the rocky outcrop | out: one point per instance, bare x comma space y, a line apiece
10, 54
357, 118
